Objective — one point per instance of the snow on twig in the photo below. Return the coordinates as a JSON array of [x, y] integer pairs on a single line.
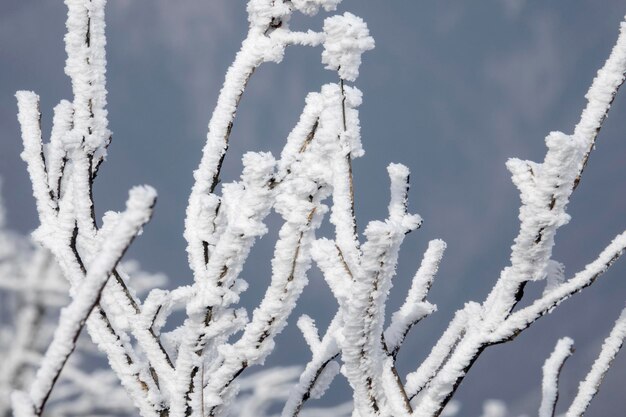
[[523, 318], [545, 190], [588, 388], [74, 316], [551, 372], [194, 370], [415, 306]]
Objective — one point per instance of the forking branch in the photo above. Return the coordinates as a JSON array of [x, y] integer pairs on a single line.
[[194, 369]]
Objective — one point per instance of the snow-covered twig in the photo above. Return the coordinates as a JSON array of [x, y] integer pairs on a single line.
[[362, 352], [428, 369], [590, 385], [324, 352], [33, 290], [74, 316], [415, 306], [193, 370], [545, 190], [63, 190], [551, 372], [523, 318]]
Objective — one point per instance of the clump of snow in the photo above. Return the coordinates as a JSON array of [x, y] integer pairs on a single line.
[[263, 13], [347, 37]]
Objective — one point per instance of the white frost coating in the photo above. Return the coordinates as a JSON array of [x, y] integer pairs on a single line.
[[311, 7], [298, 186], [302, 134], [551, 371], [29, 118], [325, 378], [322, 356], [41, 291], [73, 317], [399, 188], [602, 91], [338, 277], [526, 316], [588, 388], [263, 13], [298, 203], [545, 194], [415, 307], [337, 102], [56, 151], [458, 356], [308, 38], [86, 66], [545, 190], [555, 275], [243, 207], [267, 38], [85, 145], [362, 352], [396, 402], [247, 59], [448, 359], [220, 230], [309, 331], [347, 37], [324, 113], [22, 405]]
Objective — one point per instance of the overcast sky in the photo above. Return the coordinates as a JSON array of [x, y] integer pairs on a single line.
[[452, 90]]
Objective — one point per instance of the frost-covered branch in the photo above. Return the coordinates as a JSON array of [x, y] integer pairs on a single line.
[[62, 175], [600, 97], [267, 37], [523, 318], [196, 369], [551, 372], [74, 316], [32, 290], [324, 352], [415, 306], [362, 351], [590, 385], [428, 369], [545, 190]]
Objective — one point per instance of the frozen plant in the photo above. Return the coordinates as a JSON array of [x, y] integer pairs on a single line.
[[32, 291], [194, 369]]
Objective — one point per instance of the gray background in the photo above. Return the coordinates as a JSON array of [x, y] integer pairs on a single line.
[[452, 89]]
